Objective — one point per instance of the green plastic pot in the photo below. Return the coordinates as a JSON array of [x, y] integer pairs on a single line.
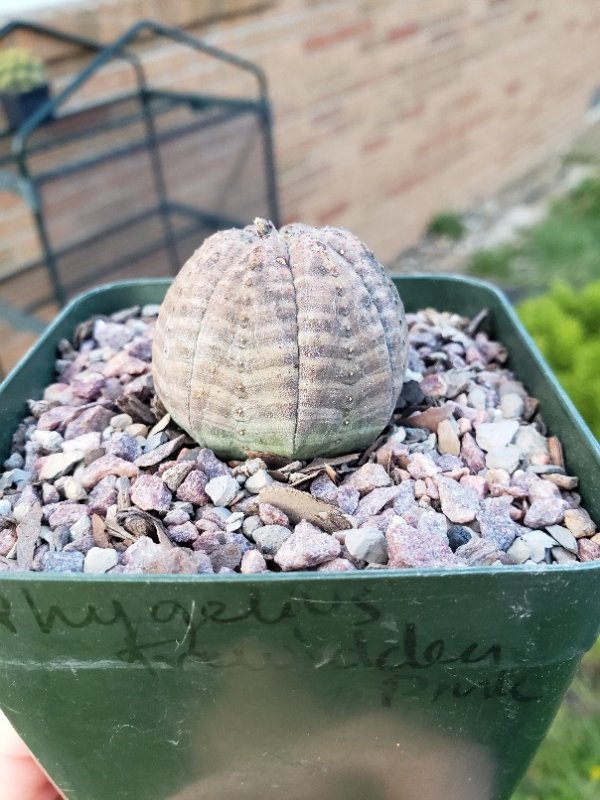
[[403, 684]]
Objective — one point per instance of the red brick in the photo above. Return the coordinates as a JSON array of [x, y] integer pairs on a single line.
[[402, 31], [319, 41], [333, 212], [514, 86], [374, 144]]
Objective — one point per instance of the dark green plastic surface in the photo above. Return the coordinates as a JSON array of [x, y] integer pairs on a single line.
[[392, 685]]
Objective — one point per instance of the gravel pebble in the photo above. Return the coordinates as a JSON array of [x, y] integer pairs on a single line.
[[579, 522], [307, 546], [63, 562], [496, 434], [408, 547], [270, 538], [100, 559], [192, 488], [547, 511], [222, 489], [368, 544], [149, 493], [368, 477], [258, 481], [459, 503]]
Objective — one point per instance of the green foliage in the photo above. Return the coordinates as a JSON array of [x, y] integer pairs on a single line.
[[566, 327], [447, 223], [20, 71], [565, 244]]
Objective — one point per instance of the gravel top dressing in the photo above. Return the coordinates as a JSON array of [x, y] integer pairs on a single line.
[[101, 480]]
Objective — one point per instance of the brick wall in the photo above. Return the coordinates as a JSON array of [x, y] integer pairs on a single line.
[[386, 111]]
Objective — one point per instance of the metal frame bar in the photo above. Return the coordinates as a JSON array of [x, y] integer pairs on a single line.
[[147, 97]]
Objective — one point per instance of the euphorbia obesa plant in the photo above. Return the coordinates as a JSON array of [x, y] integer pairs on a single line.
[[288, 341]]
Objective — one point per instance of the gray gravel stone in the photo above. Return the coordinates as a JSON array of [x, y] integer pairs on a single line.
[[270, 538], [63, 562], [368, 544], [563, 536]]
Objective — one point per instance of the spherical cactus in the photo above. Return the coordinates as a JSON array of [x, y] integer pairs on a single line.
[[291, 342]]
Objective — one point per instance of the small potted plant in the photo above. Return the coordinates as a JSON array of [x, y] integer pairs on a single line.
[[23, 85], [305, 674]]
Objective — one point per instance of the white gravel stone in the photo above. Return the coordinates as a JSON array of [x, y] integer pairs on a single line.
[[258, 481], [512, 406], [50, 441], [507, 457], [57, 464], [100, 559], [531, 441], [222, 490], [496, 434]]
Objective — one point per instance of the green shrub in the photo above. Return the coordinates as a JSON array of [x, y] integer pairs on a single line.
[[447, 223], [566, 327]]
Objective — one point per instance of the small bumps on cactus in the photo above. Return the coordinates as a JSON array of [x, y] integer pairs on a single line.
[[288, 341]]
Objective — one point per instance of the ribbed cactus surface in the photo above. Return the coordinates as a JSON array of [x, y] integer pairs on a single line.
[[291, 342]]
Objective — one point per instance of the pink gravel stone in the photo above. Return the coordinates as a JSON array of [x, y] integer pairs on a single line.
[[408, 547], [149, 493], [92, 419], [306, 547], [124, 364], [103, 495], [368, 477], [252, 563], [192, 488], [160, 453], [56, 418], [459, 503], [373, 502], [588, 551], [472, 454], [337, 565], [186, 533], [107, 465], [210, 464], [547, 511], [88, 384], [67, 514], [271, 515], [421, 466]]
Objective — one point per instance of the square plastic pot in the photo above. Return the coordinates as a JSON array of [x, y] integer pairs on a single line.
[[18, 107], [395, 684]]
